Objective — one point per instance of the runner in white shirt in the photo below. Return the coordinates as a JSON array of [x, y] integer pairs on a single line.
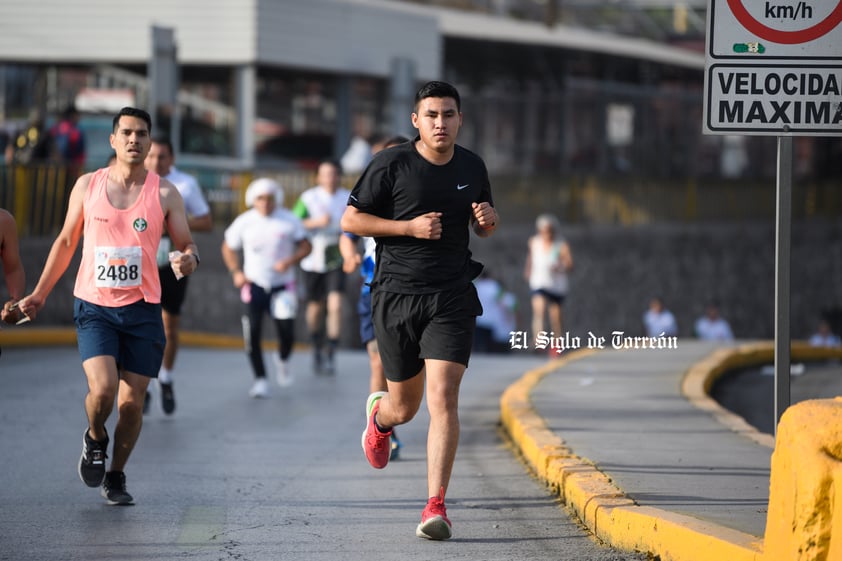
[[321, 209], [272, 241], [173, 291]]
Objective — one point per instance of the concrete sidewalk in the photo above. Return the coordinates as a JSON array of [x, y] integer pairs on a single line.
[[631, 441]]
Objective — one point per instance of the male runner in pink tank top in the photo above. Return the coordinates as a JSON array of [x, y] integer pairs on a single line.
[[120, 211]]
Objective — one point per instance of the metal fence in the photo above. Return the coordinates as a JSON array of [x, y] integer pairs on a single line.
[[38, 196]]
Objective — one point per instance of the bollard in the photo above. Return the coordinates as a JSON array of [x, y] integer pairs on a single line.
[[804, 520]]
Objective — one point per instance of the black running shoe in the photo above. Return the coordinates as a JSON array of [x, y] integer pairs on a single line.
[[167, 398], [92, 462], [114, 489], [146, 401], [329, 367]]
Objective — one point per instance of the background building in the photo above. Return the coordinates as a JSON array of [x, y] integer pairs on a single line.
[[589, 110]]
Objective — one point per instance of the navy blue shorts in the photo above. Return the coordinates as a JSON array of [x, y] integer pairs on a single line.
[[133, 335], [366, 325], [413, 327]]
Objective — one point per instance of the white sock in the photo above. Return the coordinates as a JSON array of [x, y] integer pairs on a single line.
[[165, 376]]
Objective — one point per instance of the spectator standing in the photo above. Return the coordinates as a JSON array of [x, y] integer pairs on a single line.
[[6, 146], [357, 156], [497, 321], [68, 142], [824, 336], [320, 208], [658, 320], [31, 145], [272, 241], [161, 160], [712, 326]]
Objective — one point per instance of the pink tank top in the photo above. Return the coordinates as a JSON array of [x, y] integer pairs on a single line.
[[118, 251]]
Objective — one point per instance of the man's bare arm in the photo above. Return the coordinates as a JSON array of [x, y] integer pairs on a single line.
[[426, 226], [61, 251], [484, 219], [178, 229], [351, 257], [10, 256], [202, 223]]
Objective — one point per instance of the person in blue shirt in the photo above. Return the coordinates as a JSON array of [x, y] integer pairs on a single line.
[[349, 246]]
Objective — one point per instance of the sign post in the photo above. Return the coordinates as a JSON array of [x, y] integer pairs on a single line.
[[775, 68], [162, 70], [783, 229]]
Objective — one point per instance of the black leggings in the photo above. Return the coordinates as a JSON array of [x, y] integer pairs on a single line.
[[253, 330]]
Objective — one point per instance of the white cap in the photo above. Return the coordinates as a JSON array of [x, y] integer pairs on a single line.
[[547, 220], [264, 186]]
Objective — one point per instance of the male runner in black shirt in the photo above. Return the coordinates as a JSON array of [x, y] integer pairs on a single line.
[[418, 201]]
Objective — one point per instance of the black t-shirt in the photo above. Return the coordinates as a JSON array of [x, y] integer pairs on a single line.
[[399, 184]]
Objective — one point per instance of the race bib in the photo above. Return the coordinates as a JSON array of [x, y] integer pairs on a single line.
[[118, 267]]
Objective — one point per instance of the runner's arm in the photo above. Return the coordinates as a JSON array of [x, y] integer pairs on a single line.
[[351, 257], [425, 226], [10, 256], [61, 251], [178, 229], [202, 223]]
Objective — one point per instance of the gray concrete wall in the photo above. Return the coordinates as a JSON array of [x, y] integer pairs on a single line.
[[616, 271]]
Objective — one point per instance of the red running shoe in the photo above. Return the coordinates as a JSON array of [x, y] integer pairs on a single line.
[[377, 445], [434, 522]]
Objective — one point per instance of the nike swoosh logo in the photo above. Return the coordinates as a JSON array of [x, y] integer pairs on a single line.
[[460, 187]]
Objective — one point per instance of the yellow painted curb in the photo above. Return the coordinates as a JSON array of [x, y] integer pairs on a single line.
[[46, 336], [604, 508], [37, 336]]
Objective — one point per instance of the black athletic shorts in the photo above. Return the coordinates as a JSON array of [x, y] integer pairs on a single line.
[[318, 285], [413, 327], [173, 291]]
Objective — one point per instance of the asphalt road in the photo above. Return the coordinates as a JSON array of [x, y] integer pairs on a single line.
[[230, 477]]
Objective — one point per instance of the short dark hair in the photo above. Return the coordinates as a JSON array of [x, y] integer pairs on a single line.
[[333, 162], [132, 112], [438, 89], [395, 140], [163, 140]]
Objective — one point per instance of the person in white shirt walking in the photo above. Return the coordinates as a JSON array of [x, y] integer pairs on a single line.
[[272, 241]]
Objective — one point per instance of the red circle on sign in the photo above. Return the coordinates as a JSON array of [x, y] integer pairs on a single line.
[[785, 37]]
